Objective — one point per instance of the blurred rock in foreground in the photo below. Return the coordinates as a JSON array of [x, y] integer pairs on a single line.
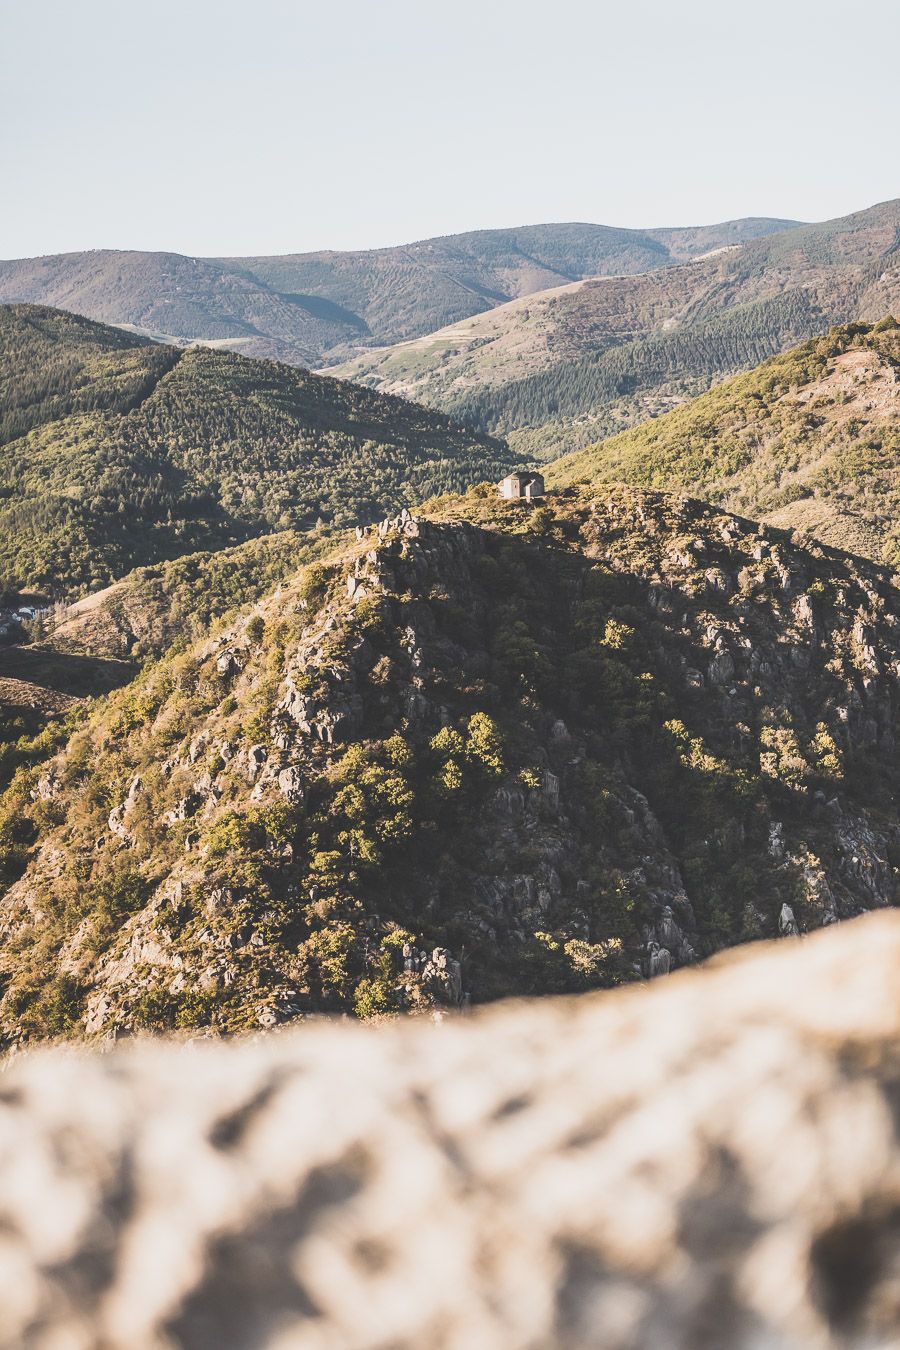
[[707, 1161]]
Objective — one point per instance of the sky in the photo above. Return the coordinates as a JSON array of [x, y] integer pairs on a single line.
[[218, 127]]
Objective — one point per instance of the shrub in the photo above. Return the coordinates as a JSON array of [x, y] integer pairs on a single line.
[[371, 997], [541, 521], [120, 892], [371, 615], [256, 628], [484, 745], [235, 833], [781, 756], [314, 585], [58, 1010], [829, 760], [329, 954]]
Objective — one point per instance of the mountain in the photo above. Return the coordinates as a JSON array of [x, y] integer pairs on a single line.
[[402, 292], [299, 307], [807, 441], [497, 748], [557, 370], [118, 451], [170, 297]]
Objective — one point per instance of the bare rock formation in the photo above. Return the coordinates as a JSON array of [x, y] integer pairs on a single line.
[[710, 1160]]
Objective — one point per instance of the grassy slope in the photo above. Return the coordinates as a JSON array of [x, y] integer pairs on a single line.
[[154, 609], [137, 453], [810, 440]]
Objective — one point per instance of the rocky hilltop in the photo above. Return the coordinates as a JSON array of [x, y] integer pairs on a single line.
[[711, 1161], [491, 749]]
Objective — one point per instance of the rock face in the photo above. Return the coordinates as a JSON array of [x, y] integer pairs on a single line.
[[708, 1161]]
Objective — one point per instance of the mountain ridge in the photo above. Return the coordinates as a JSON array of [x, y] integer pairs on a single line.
[[298, 307], [556, 371]]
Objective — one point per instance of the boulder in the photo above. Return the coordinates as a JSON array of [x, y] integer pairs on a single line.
[[291, 785], [787, 923], [710, 1160]]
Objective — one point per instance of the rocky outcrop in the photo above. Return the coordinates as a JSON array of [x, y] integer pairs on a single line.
[[711, 1161], [684, 723]]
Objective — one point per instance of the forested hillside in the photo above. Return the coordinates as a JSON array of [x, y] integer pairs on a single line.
[[556, 371], [300, 307], [809, 441], [53, 364], [134, 453], [498, 749], [578, 399]]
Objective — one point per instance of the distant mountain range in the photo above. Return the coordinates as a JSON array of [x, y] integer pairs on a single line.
[[558, 370], [117, 451], [301, 307]]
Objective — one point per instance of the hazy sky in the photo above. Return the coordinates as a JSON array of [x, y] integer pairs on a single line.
[[272, 126]]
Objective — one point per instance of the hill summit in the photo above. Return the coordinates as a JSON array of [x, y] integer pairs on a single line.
[[493, 748]]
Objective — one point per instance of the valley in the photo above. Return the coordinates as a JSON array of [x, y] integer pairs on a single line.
[[318, 723], [566, 367]]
